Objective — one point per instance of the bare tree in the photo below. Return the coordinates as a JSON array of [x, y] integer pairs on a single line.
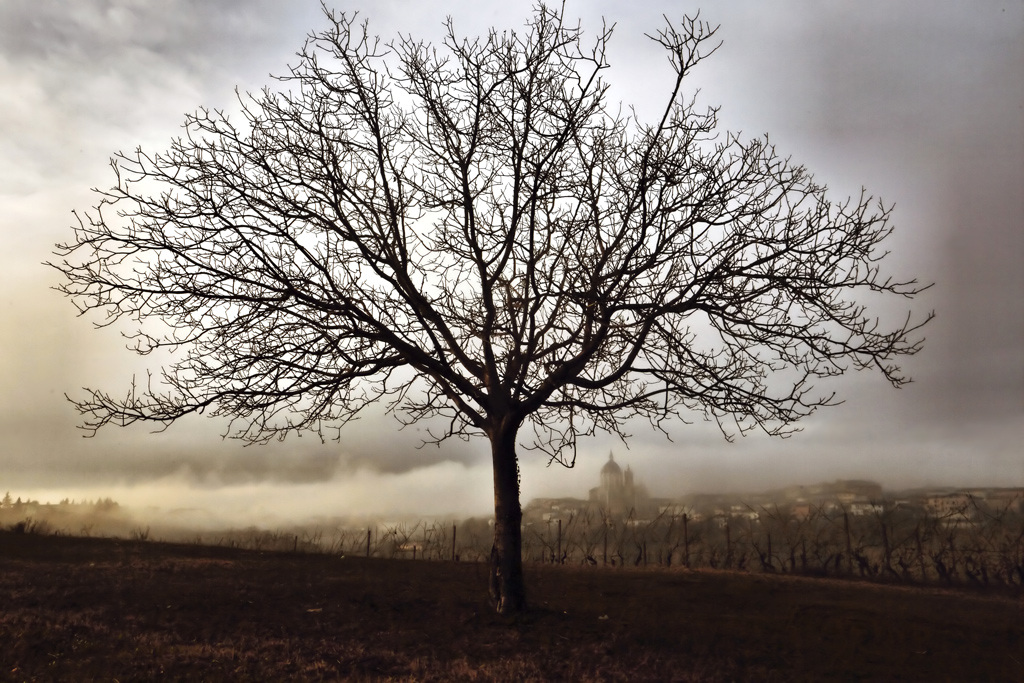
[[475, 235]]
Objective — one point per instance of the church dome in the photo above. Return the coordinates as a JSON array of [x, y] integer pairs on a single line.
[[611, 467]]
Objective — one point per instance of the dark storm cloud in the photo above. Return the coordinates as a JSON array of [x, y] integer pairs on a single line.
[[898, 66], [923, 103], [45, 449]]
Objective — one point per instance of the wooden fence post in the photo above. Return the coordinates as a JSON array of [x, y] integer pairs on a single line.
[[952, 556], [454, 556], [849, 546], [686, 541], [559, 542], [920, 552], [368, 532], [886, 550], [728, 545]]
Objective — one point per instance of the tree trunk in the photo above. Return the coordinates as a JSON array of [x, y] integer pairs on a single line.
[[508, 593]]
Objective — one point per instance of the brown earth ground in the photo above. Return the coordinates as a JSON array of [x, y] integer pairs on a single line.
[[77, 609]]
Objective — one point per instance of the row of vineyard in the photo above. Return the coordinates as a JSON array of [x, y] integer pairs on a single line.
[[973, 545]]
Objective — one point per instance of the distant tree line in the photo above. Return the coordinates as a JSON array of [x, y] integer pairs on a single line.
[[100, 503]]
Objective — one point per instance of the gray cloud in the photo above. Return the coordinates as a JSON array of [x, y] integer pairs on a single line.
[[44, 450], [96, 35], [85, 79], [924, 105]]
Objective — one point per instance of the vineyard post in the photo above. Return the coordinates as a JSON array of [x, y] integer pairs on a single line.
[[606, 543], [454, 556], [849, 547], [686, 541], [952, 554], [368, 532], [885, 548], [920, 552], [559, 556], [728, 545]]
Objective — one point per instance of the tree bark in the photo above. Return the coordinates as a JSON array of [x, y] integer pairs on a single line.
[[508, 594]]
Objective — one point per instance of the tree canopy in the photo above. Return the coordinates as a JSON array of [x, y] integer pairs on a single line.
[[474, 234]]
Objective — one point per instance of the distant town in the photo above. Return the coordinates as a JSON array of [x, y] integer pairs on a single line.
[[844, 528], [621, 497]]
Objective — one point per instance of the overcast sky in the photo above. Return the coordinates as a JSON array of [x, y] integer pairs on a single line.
[[922, 103]]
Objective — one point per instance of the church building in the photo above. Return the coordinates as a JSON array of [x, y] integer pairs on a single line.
[[618, 496]]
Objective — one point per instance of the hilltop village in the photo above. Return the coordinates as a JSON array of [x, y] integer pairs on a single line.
[[620, 498]]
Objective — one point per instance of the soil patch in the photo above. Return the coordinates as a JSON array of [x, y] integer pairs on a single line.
[[101, 609]]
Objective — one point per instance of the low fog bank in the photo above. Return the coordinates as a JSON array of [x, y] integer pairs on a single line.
[[178, 507], [270, 513], [108, 518]]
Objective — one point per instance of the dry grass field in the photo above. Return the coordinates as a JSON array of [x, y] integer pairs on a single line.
[[78, 609]]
